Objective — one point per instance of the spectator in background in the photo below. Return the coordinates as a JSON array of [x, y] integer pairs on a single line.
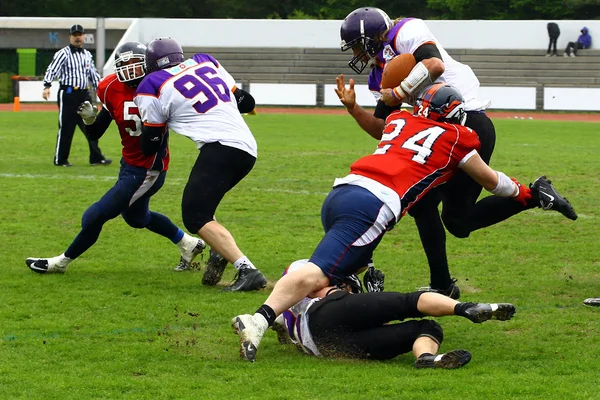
[[74, 68], [553, 33], [584, 41]]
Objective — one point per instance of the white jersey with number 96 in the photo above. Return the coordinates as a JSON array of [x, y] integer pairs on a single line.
[[195, 99]]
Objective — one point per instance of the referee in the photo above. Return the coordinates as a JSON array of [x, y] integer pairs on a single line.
[[74, 68]]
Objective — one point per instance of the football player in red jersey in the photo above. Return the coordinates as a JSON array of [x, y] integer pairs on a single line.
[[374, 40], [417, 152], [140, 176]]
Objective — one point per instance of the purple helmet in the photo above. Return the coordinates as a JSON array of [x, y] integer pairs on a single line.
[[162, 53], [362, 28]]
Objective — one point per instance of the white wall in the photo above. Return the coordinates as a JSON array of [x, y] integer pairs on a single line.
[[475, 34]]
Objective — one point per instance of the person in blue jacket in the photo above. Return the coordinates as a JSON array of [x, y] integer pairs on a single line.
[[584, 41]]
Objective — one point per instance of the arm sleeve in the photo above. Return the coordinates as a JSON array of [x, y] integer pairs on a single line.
[[245, 101], [97, 129], [427, 51], [151, 139], [382, 111], [54, 67]]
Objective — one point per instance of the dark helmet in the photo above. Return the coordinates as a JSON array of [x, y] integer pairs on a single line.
[[441, 102], [130, 73], [163, 53], [352, 282], [363, 27]]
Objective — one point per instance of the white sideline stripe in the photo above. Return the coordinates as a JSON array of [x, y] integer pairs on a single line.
[[171, 180], [289, 191]]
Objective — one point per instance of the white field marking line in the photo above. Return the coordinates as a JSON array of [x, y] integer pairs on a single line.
[[168, 180], [270, 190]]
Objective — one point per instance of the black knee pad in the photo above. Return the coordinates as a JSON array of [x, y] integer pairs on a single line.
[[456, 227], [432, 329], [194, 220]]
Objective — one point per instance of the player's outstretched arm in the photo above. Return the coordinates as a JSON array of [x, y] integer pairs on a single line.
[[151, 139], [495, 182], [372, 124]]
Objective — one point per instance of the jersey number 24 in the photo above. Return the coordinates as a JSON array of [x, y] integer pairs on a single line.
[[423, 151]]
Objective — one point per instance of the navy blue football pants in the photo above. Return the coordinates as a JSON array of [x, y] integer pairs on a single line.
[[355, 221], [130, 197]]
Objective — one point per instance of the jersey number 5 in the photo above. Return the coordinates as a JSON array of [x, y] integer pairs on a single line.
[[131, 116], [423, 151]]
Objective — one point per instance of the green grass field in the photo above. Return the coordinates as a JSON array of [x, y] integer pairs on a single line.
[[121, 324]]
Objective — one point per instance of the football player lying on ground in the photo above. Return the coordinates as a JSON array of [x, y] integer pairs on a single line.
[[377, 42], [416, 153], [140, 176], [344, 321]]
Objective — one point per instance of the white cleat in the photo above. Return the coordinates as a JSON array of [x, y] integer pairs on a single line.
[[187, 256], [45, 266], [250, 329], [592, 301]]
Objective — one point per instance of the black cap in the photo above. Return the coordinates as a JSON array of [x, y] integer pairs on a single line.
[[76, 28]]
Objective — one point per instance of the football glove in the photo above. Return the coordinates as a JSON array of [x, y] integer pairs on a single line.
[[374, 279], [87, 111], [524, 194]]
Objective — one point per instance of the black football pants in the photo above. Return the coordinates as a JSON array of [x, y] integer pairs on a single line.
[[68, 102], [356, 325], [461, 212]]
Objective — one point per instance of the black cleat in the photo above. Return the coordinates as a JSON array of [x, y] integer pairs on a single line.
[[106, 161], [549, 199], [480, 312], [215, 266], [593, 301], [247, 279], [450, 360], [453, 291]]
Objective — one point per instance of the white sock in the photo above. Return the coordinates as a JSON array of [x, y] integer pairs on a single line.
[[187, 242], [243, 262], [61, 260], [260, 319]]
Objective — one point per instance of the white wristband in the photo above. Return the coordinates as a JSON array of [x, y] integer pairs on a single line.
[[506, 187], [417, 79]]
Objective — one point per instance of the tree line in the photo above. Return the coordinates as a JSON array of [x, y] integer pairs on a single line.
[[306, 9]]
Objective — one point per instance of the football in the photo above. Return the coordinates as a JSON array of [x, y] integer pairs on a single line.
[[397, 69]]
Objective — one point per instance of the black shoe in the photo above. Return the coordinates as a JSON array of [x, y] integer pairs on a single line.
[[67, 164], [215, 266], [453, 291], [480, 312], [247, 279], [106, 161], [549, 199], [450, 360]]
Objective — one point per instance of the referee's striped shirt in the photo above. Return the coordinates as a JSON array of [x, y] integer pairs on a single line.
[[72, 66]]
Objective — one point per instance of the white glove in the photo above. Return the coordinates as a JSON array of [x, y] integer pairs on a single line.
[[87, 111]]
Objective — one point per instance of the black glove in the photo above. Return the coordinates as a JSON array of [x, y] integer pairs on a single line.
[[374, 279]]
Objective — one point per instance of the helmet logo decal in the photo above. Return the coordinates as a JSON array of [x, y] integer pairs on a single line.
[[161, 62]]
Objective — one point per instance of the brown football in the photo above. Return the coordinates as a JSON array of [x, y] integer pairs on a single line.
[[397, 69]]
